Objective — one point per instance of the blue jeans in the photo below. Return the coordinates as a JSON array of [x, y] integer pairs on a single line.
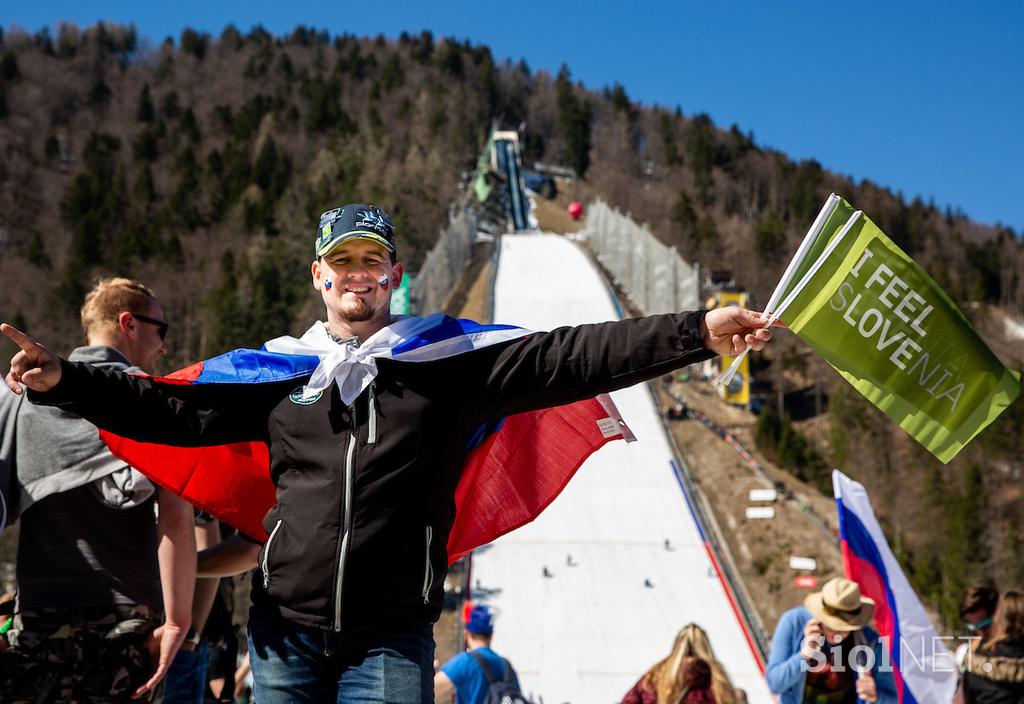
[[293, 663], [186, 677]]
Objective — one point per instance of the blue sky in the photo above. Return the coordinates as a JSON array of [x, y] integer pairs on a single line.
[[925, 98]]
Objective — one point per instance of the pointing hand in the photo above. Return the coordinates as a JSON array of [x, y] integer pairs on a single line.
[[34, 366]]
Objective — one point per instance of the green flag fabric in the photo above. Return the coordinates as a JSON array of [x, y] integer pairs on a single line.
[[889, 330]]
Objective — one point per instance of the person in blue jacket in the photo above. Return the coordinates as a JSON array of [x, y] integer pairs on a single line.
[[824, 652]]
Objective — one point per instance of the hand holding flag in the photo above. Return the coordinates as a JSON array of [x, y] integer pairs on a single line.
[[728, 330], [866, 689]]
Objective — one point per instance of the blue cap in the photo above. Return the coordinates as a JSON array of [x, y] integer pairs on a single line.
[[480, 621], [355, 221]]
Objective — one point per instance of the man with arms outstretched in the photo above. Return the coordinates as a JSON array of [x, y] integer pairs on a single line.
[[351, 577]]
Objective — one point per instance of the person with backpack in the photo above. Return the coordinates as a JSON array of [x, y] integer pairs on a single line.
[[479, 675]]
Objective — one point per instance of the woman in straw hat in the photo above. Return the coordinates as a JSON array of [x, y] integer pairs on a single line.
[[824, 652]]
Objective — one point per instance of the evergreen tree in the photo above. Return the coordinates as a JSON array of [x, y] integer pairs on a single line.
[[91, 207], [392, 75], [668, 141], [574, 117], [9, 70], [99, 93], [189, 126], [229, 322], [144, 191], [769, 237], [145, 112], [37, 254], [700, 155], [194, 43]]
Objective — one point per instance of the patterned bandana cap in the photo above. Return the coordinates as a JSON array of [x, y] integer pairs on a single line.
[[355, 221]]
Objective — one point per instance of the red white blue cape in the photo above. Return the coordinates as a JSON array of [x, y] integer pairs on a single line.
[[514, 470]]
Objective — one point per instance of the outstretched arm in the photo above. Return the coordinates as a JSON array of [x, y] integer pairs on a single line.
[[573, 363], [143, 408]]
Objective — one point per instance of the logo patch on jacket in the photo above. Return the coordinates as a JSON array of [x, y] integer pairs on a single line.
[[296, 397]]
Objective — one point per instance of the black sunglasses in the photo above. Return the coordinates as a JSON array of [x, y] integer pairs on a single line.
[[160, 324]]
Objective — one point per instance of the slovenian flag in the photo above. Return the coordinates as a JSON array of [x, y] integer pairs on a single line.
[[924, 669], [514, 468]]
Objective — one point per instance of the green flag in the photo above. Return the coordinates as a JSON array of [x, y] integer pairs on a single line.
[[887, 327]]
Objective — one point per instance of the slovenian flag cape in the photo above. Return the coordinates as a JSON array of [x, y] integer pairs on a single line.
[[924, 669], [514, 468]]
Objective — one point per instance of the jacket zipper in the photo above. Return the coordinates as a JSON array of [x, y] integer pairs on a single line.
[[346, 520], [372, 419], [428, 572], [266, 555]]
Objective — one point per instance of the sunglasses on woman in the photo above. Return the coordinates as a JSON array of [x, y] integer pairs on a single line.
[[978, 625]]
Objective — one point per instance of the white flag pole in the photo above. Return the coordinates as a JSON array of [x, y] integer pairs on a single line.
[[801, 252], [814, 268]]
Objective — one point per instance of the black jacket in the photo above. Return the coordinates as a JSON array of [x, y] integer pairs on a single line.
[[365, 494], [996, 677]]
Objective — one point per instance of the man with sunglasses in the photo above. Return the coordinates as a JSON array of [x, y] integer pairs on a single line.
[[104, 585]]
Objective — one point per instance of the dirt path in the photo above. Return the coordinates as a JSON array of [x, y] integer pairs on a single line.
[[760, 548]]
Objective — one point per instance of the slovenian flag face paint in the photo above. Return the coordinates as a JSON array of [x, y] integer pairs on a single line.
[[383, 281], [327, 284]]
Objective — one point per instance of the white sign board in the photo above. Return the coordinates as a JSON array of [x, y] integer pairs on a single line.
[[760, 512], [803, 563], [763, 495]]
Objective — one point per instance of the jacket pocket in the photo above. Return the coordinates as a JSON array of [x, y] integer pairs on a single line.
[[428, 569], [265, 565]]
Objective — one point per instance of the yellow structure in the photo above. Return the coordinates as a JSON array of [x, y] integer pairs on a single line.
[[736, 391]]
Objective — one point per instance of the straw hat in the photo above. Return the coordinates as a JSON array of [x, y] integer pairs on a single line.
[[840, 606]]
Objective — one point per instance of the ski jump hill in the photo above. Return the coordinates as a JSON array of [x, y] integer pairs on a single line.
[[617, 593]]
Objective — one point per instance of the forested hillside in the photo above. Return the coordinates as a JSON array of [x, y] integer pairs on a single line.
[[199, 165]]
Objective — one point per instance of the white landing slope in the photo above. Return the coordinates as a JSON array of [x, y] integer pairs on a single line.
[[587, 633]]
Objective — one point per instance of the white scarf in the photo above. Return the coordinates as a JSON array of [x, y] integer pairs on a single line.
[[353, 367]]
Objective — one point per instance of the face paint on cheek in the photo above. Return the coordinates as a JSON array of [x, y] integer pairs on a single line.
[[384, 283], [327, 284]]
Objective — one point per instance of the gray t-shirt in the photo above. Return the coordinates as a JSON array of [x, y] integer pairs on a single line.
[[74, 548]]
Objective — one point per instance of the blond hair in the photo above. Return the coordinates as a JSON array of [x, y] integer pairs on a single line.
[[665, 677], [108, 299], [1008, 620]]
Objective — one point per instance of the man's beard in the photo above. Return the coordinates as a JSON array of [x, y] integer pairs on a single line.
[[356, 314]]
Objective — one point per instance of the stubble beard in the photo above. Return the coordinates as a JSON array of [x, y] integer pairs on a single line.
[[356, 313]]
